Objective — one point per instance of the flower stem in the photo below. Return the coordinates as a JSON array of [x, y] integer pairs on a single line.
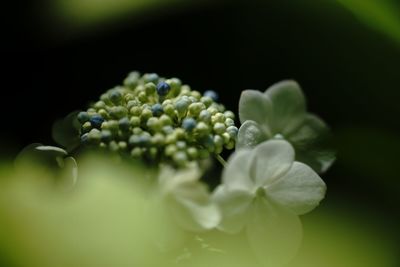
[[221, 160]]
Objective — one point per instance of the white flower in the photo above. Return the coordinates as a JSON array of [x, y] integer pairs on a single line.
[[280, 111], [188, 199], [263, 191]]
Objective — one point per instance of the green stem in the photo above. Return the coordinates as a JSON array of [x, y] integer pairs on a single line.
[[221, 160]]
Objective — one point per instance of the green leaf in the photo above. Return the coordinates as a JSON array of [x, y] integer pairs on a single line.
[[274, 233], [66, 132], [382, 15], [255, 106], [250, 135], [288, 106], [300, 189]]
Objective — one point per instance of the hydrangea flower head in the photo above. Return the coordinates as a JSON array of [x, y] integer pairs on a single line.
[[158, 120]]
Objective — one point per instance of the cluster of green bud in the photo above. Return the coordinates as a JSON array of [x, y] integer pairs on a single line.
[[159, 120]]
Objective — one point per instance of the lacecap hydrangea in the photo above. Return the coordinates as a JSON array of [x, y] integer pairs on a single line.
[[158, 120]]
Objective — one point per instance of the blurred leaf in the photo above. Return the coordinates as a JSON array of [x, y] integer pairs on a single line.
[[66, 131], [90, 12], [382, 15]]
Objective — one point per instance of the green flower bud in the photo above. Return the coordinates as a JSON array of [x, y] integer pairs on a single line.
[[181, 145], [86, 127], [146, 114], [212, 110], [185, 90], [158, 139], [181, 106], [229, 114], [226, 137], [165, 120], [154, 124], [166, 102], [192, 152], [103, 113], [204, 154], [142, 97], [118, 112], [232, 131], [124, 124], [180, 158], [218, 140], [115, 96], [202, 129], [169, 110], [218, 117], [100, 105], [112, 125], [205, 116], [179, 133], [122, 145], [219, 128], [129, 97], [196, 108], [113, 146], [106, 135], [150, 88], [131, 104], [134, 140], [229, 122], [132, 80], [170, 150], [135, 110], [196, 94], [207, 101], [170, 139], [135, 121], [230, 145], [137, 130], [136, 152], [153, 151], [94, 136]]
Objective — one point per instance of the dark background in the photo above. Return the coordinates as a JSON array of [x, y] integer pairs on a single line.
[[349, 73]]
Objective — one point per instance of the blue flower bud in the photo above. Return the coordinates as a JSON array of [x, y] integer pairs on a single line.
[[157, 109], [163, 88], [188, 124], [211, 94], [96, 121]]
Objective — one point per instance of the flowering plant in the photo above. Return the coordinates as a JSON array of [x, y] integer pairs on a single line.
[[269, 180]]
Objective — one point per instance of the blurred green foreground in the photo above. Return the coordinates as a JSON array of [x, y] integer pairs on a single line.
[[111, 217]]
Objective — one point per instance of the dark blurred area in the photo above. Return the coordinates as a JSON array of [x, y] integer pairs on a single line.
[[348, 71]]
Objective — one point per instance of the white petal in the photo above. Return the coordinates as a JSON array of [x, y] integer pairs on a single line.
[[53, 149], [300, 189], [250, 135], [234, 206], [194, 216], [255, 106], [288, 106], [274, 233], [237, 172], [270, 160], [188, 199]]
